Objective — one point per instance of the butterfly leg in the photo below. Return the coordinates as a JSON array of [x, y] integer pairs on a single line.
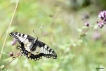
[[18, 47]]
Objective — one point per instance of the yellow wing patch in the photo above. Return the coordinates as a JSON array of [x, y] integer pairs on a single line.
[[37, 51]]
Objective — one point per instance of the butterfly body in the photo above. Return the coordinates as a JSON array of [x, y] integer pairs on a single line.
[[32, 47]]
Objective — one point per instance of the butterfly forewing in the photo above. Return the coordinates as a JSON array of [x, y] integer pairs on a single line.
[[33, 48]]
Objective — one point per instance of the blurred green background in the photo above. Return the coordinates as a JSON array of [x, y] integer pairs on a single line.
[[58, 23]]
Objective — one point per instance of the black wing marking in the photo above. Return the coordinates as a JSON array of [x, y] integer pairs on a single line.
[[33, 48]]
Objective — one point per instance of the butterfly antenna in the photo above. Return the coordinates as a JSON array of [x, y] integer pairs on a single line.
[[35, 34]]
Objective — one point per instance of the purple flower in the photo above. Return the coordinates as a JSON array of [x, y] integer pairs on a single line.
[[18, 54], [100, 24], [102, 15], [87, 24], [14, 41], [11, 54]]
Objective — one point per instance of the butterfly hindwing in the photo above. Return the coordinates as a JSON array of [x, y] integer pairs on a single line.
[[32, 47]]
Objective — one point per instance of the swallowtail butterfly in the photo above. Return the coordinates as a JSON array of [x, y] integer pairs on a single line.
[[31, 47]]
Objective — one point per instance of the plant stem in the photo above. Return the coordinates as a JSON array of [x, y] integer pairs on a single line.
[[9, 28]]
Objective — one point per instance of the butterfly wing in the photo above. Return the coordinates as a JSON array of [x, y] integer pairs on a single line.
[[33, 48]]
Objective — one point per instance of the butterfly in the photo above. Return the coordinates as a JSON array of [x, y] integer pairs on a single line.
[[31, 47]]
